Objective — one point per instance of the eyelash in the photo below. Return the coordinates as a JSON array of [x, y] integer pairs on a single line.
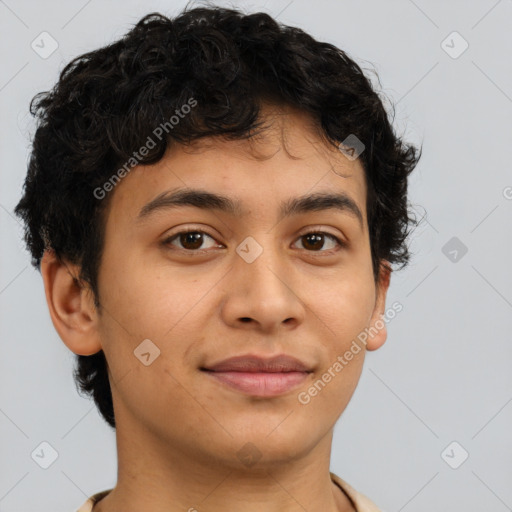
[[167, 241]]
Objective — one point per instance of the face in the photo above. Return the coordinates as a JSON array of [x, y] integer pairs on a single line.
[[250, 281]]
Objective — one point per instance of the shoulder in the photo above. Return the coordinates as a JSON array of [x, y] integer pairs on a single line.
[[89, 503], [361, 502]]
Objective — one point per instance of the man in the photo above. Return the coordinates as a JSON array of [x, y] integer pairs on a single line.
[[215, 202]]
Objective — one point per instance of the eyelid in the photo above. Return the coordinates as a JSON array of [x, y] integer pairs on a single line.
[[324, 230]]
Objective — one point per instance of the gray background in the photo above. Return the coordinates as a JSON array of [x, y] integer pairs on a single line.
[[443, 374]]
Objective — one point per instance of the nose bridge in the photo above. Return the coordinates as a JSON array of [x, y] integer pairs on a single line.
[[261, 289], [261, 262]]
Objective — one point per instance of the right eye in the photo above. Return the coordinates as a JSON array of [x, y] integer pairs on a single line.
[[191, 240]]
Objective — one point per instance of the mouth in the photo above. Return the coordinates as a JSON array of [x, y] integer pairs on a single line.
[[263, 384], [259, 376]]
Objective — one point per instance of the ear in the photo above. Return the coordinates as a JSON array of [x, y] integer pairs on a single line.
[[377, 329], [71, 305]]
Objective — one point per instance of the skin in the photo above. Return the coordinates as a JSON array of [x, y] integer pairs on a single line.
[[178, 430]]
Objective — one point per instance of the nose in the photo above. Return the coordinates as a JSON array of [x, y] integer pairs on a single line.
[[263, 294]]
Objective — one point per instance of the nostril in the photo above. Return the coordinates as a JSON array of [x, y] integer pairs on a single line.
[[245, 319]]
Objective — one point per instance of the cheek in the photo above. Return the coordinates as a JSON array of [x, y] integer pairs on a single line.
[[140, 296], [344, 308], [155, 302]]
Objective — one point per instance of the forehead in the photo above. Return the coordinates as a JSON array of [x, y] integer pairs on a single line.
[[287, 159]]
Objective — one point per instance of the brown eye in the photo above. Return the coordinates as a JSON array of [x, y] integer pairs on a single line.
[[188, 240], [315, 241]]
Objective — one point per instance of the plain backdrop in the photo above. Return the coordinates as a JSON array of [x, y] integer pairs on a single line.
[[440, 389]]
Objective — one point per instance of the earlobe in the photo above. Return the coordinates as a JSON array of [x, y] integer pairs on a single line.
[[377, 329], [71, 305]]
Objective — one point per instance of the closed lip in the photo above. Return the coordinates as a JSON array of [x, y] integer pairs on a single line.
[[259, 364]]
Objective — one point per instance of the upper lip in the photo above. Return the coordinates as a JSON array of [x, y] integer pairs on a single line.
[[255, 363]]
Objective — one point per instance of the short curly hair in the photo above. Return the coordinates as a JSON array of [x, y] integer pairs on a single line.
[[106, 103]]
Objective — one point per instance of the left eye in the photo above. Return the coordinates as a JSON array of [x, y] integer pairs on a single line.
[[315, 238], [192, 240]]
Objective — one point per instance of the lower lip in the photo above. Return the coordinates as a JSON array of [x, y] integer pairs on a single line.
[[261, 384]]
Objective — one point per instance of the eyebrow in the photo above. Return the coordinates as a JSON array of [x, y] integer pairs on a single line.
[[211, 201]]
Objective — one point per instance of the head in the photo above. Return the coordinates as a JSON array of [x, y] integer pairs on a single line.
[[234, 105]]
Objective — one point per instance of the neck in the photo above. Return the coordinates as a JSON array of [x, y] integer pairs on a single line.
[[157, 477]]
